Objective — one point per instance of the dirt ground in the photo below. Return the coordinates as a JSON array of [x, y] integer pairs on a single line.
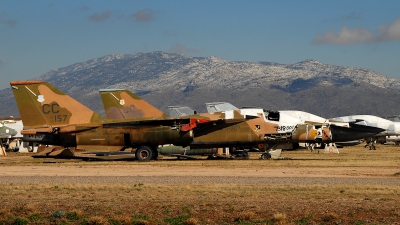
[[357, 186]]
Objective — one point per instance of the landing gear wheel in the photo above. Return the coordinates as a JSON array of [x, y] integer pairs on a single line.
[[144, 153], [155, 153], [265, 155]]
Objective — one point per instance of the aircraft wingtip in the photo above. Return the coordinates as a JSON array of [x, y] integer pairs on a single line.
[[23, 82]]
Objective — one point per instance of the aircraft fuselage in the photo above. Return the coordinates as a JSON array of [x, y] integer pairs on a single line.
[[115, 138]]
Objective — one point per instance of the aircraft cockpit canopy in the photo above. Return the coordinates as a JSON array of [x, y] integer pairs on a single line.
[[271, 115], [394, 118]]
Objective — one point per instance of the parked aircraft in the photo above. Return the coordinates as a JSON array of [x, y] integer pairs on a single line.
[[213, 107], [14, 142], [51, 117], [293, 117], [123, 104], [6, 132], [310, 132], [395, 139], [393, 118], [306, 117], [389, 128], [265, 128], [178, 111], [10, 134]]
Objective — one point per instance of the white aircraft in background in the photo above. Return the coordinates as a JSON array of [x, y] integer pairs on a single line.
[[177, 111], [13, 138], [395, 139], [219, 107], [294, 117], [391, 128]]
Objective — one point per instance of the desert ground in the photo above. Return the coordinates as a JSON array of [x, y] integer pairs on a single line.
[[356, 186]]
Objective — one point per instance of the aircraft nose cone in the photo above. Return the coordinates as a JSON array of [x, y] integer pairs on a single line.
[[12, 132], [354, 132], [6, 131]]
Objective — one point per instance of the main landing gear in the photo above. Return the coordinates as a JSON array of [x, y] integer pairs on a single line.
[[146, 153], [370, 143]]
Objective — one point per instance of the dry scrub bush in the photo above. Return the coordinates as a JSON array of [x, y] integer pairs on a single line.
[[121, 219], [27, 209], [331, 217], [97, 220], [191, 221], [248, 215], [245, 216], [279, 218], [6, 213], [140, 222]]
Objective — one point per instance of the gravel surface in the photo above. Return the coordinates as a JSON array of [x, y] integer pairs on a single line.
[[355, 187], [178, 180]]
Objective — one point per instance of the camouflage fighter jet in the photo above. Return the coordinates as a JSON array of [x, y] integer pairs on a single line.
[[264, 128], [51, 117], [123, 104]]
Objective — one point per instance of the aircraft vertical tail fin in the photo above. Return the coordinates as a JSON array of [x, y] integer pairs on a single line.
[[41, 104], [123, 104]]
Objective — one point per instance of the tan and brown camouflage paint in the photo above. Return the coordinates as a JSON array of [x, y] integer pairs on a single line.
[[225, 131], [41, 104], [45, 110], [122, 104]]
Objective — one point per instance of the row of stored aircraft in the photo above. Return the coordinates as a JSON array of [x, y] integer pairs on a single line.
[[50, 117], [391, 125]]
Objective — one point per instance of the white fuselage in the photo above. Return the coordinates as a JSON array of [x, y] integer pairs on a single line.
[[305, 117], [391, 128], [16, 125]]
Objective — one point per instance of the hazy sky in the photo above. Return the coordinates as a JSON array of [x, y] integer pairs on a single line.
[[37, 36]]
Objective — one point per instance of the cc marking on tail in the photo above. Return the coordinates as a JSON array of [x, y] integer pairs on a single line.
[[53, 108]]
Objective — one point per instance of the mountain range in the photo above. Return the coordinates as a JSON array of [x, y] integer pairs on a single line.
[[165, 79]]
